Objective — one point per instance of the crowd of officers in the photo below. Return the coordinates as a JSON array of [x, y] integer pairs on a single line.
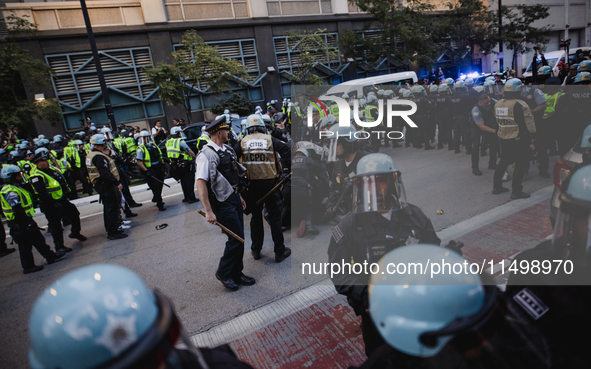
[[44, 174]]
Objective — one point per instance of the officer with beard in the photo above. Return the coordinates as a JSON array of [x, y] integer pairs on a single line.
[[343, 150], [258, 152], [554, 293], [381, 220], [484, 126]]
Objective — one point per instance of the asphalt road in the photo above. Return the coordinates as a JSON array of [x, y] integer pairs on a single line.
[[180, 260]]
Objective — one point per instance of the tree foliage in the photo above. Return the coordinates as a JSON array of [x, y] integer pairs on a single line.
[[518, 32], [197, 68], [312, 48], [407, 30], [236, 103], [21, 73]]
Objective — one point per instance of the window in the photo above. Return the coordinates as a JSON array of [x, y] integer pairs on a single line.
[[182, 10], [245, 52], [77, 87]]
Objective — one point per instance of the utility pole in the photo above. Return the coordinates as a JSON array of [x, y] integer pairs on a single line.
[[500, 36], [99, 69]]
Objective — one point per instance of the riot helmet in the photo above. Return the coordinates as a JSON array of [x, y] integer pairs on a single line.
[[491, 88], [145, 138], [419, 315], [255, 123], [582, 78], [377, 185], [572, 230], [584, 66], [107, 132], [105, 316]]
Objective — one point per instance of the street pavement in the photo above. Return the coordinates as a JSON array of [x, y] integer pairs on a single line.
[[286, 320]]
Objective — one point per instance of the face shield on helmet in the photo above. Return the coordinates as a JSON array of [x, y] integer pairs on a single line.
[[108, 134], [115, 321], [342, 142], [377, 186], [255, 123], [145, 138]]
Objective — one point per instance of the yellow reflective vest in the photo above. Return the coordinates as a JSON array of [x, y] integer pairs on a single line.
[[25, 199]]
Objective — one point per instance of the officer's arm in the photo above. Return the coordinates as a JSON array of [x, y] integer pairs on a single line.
[[238, 149], [520, 120], [427, 231], [343, 282], [283, 150], [19, 213], [477, 118]]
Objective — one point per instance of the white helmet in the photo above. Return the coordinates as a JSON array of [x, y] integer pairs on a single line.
[[145, 137]]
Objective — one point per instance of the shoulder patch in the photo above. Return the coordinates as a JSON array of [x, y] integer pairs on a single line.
[[531, 303], [34, 179], [337, 234]]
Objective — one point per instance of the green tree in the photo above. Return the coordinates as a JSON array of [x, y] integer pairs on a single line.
[[518, 32], [236, 103], [407, 29], [197, 68], [312, 48], [469, 23], [19, 73]]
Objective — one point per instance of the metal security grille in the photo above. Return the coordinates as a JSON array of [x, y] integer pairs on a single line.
[[244, 51], [288, 60], [77, 87]]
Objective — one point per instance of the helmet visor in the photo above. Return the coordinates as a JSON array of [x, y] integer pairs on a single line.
[[492, 89], [378, 192], [572, 234], [330, 150]]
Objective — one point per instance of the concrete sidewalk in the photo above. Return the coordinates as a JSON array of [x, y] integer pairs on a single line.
[[315, 327]]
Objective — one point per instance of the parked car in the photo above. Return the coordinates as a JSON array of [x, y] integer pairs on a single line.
[[565, 165]]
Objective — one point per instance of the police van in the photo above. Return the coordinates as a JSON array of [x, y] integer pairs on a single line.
[[363, 86]]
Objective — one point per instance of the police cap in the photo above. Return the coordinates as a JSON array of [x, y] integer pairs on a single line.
[[217, 124]]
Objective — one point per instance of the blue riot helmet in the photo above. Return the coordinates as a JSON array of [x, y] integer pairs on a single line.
[[99, 139], [572, 230], [407, 94], [418, 90], [419, 314], [469, 82], [340, 142], [41, 150], [378, 186], [45, 142], [449, 82], [582, 78], [584, 66], [2, 151], [175, 130], [328, 121], [14, 154], [104, 316], [57, 139], [489, 78], [256, 123], [302, 151], [433, 89], [461, 86], [513, 85], [9, 170], [22, 146], [41, 137]]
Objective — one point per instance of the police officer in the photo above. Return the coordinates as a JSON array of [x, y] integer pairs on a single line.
[[72, 155], [17, 206], [461, 104], [548, 128], [516, 133], [484, 125], [149, 160], [53, 201], [305, 172], [218, 179], [183, 157], [423, 134], [558, 303], [344, 152], [203, 139], [104, 176], [447, 320], [117, 323], [445, 120], [381, 220], [258, 153]]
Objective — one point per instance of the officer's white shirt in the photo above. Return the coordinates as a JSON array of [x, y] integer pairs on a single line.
[[202, 171], [155, 130]]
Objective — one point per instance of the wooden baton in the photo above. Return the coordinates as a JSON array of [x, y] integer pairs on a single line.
[[223, 228]]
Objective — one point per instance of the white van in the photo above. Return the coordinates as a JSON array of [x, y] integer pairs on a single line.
[[362, 86], [553, 58]]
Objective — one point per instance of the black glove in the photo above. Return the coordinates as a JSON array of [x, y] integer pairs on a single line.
[[455, 246]]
